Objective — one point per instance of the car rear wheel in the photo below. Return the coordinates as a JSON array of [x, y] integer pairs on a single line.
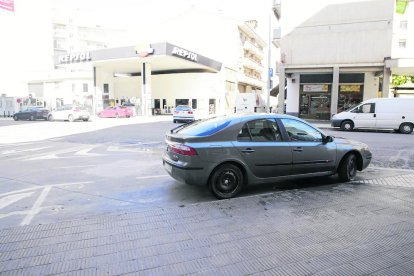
[[50, 118], [226, 181], [15, 118], [70, 118], [347, 125], [348, 169], [406, 128], [31, 118]]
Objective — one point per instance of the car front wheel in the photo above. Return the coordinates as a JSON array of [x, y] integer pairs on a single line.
[[348, 169], [347, 126], [15, 118], [226, 181], [50, 118], [70, 118]]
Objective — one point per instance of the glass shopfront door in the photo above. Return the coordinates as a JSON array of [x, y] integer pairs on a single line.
[[315, 102]]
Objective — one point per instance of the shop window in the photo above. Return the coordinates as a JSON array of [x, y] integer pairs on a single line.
[[85, 87], [157, 103], [181, 102], [194, 103], [106, 88]]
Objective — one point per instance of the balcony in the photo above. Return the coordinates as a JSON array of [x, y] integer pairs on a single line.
[[249, 46], [277, 35], [277, 8], [251, 64], [250, 80]]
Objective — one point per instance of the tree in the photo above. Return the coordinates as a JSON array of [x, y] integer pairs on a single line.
[[398, 80]]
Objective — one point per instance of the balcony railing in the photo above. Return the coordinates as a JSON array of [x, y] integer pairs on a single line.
[[248, 45]]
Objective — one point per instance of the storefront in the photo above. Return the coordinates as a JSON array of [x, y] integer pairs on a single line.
[[315, 94]]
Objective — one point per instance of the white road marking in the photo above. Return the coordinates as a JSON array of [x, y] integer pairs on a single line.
[[75, 167], [53, 154], [36, 206], [24, 150], [6, 201], [152, 176], [21, 191], [85, 152]]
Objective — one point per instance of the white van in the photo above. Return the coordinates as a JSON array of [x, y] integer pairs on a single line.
[[379, 113]]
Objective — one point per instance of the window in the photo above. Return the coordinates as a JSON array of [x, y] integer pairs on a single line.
[[365, 108], [299, 131], [264, 130], [402, 43], [403, 25], [181, 102], [106, 88], [205, 127], [194, 103]]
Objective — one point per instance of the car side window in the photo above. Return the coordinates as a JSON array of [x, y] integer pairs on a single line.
[[265, 130], [365, 108], [299, 131]]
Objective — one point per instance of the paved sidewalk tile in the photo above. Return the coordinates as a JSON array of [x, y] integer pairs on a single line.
[[360, 228]]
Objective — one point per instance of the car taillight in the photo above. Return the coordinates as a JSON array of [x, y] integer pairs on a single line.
[[183, 150], [190, 112], [76, 110], [176, 112]]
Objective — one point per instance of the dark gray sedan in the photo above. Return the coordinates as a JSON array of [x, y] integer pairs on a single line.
[[226, 153]]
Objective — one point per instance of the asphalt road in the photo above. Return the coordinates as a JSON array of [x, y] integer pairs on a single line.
[[119, 169]]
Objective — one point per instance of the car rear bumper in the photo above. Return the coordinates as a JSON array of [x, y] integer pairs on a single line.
[[181, 118], [188, 175]]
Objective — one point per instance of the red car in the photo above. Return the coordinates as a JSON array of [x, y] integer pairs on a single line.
[[115, 112]]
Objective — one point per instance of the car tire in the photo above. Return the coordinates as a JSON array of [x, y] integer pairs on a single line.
[[174, 121], [31, 118], [226, 181], [70, 118], [15, 118], [347, 125], [406, 128], [348, 168], [116, 115], [50, 118], [85, 120]]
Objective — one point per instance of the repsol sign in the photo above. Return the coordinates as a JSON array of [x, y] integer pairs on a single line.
[[184, 53], [75, 57]]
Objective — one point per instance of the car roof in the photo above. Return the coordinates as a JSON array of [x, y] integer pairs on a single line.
[[252, 116]]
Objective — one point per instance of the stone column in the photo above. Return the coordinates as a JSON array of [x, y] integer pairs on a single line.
[[281, 96], [335, 91], [146, 92], [386, 83]]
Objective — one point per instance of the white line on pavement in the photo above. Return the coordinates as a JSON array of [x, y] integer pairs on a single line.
[[152, 176], [75, 167], [36, 206], [24, 150], [6, 201]]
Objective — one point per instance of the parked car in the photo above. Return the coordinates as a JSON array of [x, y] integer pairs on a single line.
[[69, 113], [115, 112], [226, 153], [31, 113], [379, 113], [183, 113]]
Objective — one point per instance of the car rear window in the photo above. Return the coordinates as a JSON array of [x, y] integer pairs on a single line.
[[205, 127], [182, 108]]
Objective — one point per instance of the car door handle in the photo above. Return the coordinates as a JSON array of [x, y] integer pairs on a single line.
[[375, 115], [248, 150], [298, 149]]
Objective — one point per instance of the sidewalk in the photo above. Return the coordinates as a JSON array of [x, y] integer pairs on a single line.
[[345, 229]]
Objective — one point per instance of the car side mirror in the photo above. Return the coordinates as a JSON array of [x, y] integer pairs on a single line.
[[327, 139]]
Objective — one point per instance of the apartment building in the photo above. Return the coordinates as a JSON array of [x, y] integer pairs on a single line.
[[336, 53]]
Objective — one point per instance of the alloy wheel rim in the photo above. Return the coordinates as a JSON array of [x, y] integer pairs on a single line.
[[406, 128]]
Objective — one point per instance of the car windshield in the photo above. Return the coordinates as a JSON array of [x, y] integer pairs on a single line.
[[205, 127]]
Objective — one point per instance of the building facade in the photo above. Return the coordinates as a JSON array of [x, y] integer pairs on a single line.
[[338, 53]]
